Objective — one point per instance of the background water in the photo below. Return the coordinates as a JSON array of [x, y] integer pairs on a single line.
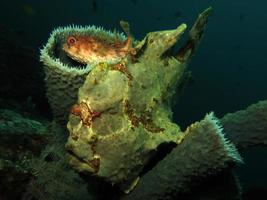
[[229, 68]]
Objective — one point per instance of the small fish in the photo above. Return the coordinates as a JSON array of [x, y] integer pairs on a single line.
[[92, 50]]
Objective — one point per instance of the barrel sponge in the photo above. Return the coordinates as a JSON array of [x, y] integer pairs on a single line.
[[204, 151], [63, 75], [247, 127]]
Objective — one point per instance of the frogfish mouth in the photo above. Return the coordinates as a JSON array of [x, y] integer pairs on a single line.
[[91, 49]]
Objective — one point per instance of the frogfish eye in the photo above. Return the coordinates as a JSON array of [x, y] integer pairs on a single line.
[[71, 40]]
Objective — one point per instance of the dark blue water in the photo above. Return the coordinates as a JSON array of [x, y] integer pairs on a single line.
[[229, 68]]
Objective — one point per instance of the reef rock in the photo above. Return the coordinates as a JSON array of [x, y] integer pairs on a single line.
[[21, 139]]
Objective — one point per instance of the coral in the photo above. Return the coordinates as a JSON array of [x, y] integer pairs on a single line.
[[33, 162], [63, 75], [12, 122], [52, 176], [19, 135], [247, 127], [13, 178], [21, 139]]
